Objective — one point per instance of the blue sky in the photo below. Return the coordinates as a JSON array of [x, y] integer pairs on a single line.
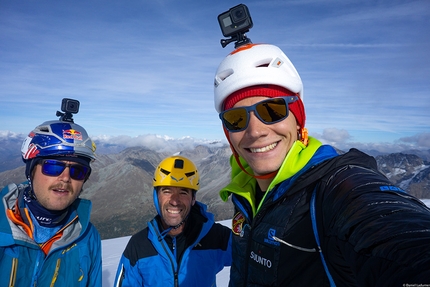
[[146, 67]]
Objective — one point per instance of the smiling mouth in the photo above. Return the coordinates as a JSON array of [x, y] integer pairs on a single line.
[[263, 149], [173, 211], [60, 190]]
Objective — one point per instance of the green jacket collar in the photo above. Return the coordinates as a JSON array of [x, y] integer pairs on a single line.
[[244, 185]]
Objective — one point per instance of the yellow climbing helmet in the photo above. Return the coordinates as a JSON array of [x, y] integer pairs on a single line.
[[177, 171]]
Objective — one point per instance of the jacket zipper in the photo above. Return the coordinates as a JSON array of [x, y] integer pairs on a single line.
[[248, 243], [168, 252], [12, 277], [54, 278], [174, 254]]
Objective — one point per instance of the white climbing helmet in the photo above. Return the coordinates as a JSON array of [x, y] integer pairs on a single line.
[[251, 65]]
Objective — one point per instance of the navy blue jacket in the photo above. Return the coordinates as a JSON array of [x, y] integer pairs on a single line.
[[371, 232]]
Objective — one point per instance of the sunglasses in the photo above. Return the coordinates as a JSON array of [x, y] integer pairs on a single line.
[[268, 111], [52, 167]]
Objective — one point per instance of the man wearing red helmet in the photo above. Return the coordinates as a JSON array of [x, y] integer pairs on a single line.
[[306, 215], [46, 238]]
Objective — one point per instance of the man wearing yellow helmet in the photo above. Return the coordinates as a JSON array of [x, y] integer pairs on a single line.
[[182, 245]]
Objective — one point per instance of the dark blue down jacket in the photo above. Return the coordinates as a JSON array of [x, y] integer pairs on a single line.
[[371, 232]]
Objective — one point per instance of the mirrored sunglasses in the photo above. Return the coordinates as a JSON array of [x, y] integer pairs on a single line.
[[268, 111], [52, 167]]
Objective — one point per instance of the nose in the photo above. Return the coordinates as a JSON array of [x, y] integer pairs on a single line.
[[65, 175], [174, 198], [256, 128]]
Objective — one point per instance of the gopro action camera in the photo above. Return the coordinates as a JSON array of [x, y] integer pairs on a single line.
[[235, 23], [69, 107]]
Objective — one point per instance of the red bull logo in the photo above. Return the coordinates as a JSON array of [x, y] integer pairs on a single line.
[[72, 134]]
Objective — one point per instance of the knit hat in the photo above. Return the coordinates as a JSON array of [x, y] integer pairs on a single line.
[[271, 91]]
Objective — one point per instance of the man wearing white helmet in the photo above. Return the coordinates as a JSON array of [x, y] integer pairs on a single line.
[[182, 245], [46, 238], [306, 215]]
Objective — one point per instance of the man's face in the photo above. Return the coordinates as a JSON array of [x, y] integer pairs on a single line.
[[175, 204], [264, 147], [55, 192]]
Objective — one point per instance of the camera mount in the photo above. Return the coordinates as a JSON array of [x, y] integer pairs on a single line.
[[240, 39], [65, 117]]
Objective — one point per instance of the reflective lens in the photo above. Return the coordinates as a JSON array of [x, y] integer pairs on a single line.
[[52, 167], [268, 111]]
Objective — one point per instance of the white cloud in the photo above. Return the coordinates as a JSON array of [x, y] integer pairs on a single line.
[[155, 142], [420, 140], [335, 135]]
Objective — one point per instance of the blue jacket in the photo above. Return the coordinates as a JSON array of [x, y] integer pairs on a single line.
[[73, 260], [148, 259]]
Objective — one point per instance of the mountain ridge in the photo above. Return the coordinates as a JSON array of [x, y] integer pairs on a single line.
[[120, 186]]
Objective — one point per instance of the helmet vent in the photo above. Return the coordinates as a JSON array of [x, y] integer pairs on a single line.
[[188, 174], [225, 74], [164, 171], [263, 63], [179, 163]]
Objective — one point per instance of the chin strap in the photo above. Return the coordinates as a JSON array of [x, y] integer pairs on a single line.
[[167, 230], [236, 157], [264, 176], [179, 225], [31, 193]]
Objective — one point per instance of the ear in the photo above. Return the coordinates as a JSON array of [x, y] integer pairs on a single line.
[[194, 198]]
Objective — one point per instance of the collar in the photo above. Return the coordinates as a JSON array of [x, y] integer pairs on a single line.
[[244, 185]]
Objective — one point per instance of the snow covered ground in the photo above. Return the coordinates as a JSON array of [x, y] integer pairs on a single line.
[[113, 248]]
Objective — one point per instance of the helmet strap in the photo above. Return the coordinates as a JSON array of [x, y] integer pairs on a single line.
[[167, 230], [302, 136], [180, 224], [29, 173], [236, 157]]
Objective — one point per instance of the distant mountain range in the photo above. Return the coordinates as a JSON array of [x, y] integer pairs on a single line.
[[120, 185]]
